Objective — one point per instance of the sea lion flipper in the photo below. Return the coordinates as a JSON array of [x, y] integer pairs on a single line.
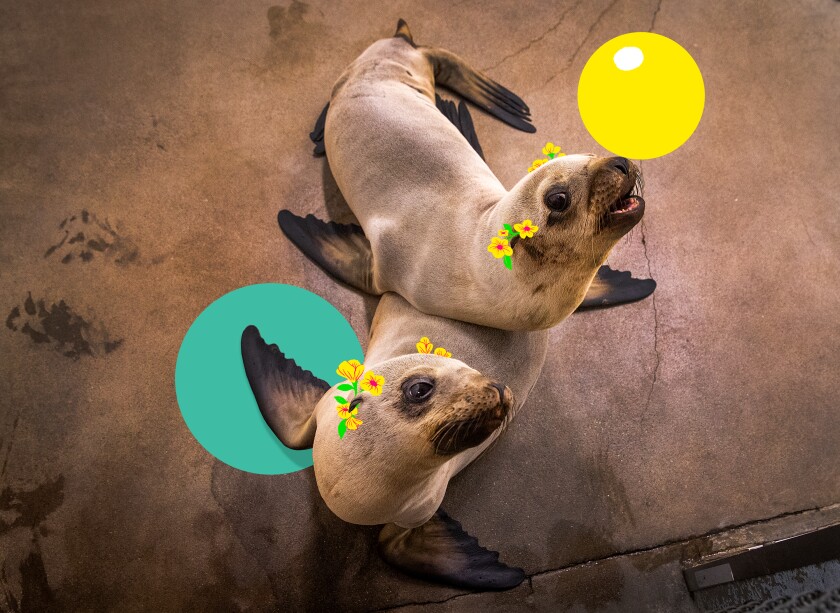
[[286, 394], [461, 119], [342, 250], [317, 134], [454, 73], [612, 287], [440, 550]]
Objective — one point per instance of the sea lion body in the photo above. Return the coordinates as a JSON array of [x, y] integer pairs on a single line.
[[387, 471], [394, 468], [429, 205]]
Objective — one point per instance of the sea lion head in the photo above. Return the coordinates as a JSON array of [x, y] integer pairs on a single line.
[[582, 205], [431, 408]]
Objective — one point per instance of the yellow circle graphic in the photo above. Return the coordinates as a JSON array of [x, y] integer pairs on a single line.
[[641, 95]]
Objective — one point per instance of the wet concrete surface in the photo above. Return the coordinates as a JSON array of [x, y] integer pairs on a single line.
[[168, 134]]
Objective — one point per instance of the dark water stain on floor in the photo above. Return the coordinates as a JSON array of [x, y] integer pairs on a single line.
[[30, 506], [36, 594], [27, 507], [597, 588], [85, 237], [298, 41], [61, 328]]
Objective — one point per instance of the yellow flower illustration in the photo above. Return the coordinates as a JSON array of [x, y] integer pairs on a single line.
[[425, 345], [499, 247], [526, 229], [351, 370], [503, 233], [551, 148], [536, 164], [344, 411], [443, 352], [372, 383], [353, 422]]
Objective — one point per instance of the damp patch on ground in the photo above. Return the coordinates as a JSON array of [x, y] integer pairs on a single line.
[[57, 326], [84, 237]]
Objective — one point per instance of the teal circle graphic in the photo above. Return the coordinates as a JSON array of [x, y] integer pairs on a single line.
[[213, 392]]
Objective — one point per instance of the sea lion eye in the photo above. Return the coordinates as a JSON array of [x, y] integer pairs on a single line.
[[418, 390], [557, 200]]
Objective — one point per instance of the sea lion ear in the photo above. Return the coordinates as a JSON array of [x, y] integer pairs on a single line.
[[613, 287], [440, 550], [342, 250], [286, 394], [461, 119], [404, 33]]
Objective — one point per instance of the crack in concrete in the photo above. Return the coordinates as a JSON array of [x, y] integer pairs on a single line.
[[655, 326], [630, 552], [534, 41], [655, 13], [571, 60], [807, 232]]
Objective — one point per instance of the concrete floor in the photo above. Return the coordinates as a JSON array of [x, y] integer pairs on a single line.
[[174, 131]]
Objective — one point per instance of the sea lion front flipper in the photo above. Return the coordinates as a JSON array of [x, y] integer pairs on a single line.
[[461, 119], [317, 134], [342, 250], [440, 550], [611, 287], [286, 394], [454, 73]]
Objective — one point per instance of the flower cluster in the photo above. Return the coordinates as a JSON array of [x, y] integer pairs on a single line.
[[500, 246], [551, 150], [426, 346], [354, 372]]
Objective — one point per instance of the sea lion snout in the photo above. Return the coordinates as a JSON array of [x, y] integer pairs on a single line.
[[617, 193], [505, 398], [479, 415]]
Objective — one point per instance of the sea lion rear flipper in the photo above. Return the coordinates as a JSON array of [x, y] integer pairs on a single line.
[[612, 287], [342, 250], [461, 119], [317, 134], [440, 550], [454, 73], [286, 394]]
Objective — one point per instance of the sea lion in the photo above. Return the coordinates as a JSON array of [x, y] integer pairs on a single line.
[[434, 416], [428, 205]]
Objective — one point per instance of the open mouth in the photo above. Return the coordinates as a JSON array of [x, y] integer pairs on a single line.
[[627, 205]]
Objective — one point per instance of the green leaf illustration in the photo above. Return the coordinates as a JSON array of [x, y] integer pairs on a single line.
[[508, 262], [342, 428], [345, 387], [508, 227], [340, 400]]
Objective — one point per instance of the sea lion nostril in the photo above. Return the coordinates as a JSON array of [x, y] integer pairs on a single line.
[[620, 164], [499, 388]]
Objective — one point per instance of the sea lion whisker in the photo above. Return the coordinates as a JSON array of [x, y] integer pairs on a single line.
[[440, 435]]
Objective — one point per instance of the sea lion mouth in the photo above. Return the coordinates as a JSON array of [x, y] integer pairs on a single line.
[[626, 211], [454, 437], [627, 204]]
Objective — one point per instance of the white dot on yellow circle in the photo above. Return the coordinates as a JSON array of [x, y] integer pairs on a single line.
[[628, 58], [641, 95]]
